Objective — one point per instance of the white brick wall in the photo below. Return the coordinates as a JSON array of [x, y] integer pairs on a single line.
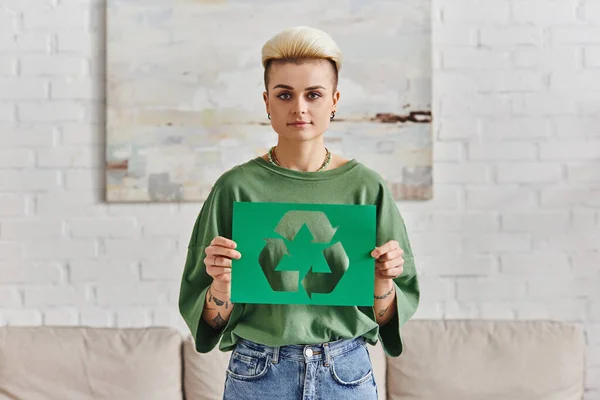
[[512, 232]]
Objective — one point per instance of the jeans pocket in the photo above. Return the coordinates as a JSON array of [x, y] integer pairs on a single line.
[[247, 364], [352, 368]]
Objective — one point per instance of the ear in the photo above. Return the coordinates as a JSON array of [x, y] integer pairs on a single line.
[[266, 100], [336, 98]]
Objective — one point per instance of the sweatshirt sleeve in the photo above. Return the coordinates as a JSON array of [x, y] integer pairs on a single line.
[[390, 226], [214, 220]]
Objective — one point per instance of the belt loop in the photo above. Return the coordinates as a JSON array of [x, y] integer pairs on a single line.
[[327, 355], [275, 355]]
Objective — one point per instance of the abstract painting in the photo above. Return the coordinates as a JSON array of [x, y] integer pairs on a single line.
[[185, 83]]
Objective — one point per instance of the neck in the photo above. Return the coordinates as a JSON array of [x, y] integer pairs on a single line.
[[305, 156]]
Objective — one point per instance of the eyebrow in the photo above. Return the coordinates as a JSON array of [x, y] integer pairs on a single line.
[[291, 88]]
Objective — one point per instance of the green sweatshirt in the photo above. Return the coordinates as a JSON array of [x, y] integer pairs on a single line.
[[278, 324]]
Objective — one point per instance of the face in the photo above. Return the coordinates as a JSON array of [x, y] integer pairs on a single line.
[[301, 98]]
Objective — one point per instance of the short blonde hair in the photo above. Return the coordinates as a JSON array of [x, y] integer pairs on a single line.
[[299, 44]]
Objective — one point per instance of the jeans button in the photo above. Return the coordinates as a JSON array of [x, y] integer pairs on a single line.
[[308, 352]]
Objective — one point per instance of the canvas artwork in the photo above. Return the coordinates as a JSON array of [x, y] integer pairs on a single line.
[[185, 84]]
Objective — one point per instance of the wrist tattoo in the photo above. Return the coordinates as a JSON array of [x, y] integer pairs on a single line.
[[383, 296], [218, 302], [219, 321], [382, 312]]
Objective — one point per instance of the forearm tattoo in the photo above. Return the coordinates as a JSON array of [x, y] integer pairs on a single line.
[[383, 296], [219, 321], [218, 302], [382, 312]]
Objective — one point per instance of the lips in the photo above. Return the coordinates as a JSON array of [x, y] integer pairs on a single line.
[[300, 123]]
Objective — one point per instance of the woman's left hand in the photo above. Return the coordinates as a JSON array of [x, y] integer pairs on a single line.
[[389, 262]]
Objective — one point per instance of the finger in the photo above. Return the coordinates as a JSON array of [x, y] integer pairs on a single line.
[[224, 242], [390, 273], [397, 253], [397, 262], [389, 246], [223, 252], [217, 271]]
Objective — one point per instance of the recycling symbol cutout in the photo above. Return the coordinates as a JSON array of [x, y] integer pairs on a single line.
[[304, 255]]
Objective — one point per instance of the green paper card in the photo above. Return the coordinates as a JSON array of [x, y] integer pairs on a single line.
[[304, 254]]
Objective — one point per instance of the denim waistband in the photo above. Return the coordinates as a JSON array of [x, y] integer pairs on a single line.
[[311, 352]]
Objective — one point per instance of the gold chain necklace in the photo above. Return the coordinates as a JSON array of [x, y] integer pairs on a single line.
[[273, 159]]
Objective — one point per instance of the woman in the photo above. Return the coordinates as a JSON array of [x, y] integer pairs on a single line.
[[298, 351]]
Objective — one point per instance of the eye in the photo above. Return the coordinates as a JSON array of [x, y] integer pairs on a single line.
[[283, 95], [314, 95]]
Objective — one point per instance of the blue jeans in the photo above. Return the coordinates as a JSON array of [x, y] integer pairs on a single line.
[[339, 370]]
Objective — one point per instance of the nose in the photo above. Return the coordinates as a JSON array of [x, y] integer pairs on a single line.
[[299, 106]]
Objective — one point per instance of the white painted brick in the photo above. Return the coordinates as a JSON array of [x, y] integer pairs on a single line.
[[438, 289], [561, 196], [133, 318], [443, 265], [8, 65], [461, 310], [23, 89], [170, 270], [586, 264], [498, 310], [8, 21], [593, 356], [592, 57], [26, 136], [497, 242], [580, 126], [140, 294], [476, 105], [550, 59], [7, 112], [510, 35], [593, 333], [572, 310], [461, 173], [536, 222], [591, 12], [528, 173], [64, 249], [11, 251], [429, 309], [467, 221], [573, 241], [575, 82], [453, 82], [583, 220], [551, 103], [493, 288], [455, 35], [81, 134], [10, 297], [96, 316], [15, 158], [54, 296], [436, 243], [12, 204], [85, 203], [476, 12], [77, 157], [63, 111], [21, 317], [75, 89], [545, 12], [61, 317], [501, 197], [595, 311], [167, 316], [479, 58], [592, 378], [575, 35], [563, 287], [459, 128], [104, 271], [416, 222], [533, 264], [28, 273], [570, 150], [24, 43], [139, 249], [506, 150], [56, 18], [588, 105], [147, 210], [152, 226], [29, 180], [84, 179], [515, 128], [30, 229], [584, 172], [448, 152], [110, 228], [48, 65]]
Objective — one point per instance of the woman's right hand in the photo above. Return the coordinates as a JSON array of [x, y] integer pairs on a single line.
[[218, 259]]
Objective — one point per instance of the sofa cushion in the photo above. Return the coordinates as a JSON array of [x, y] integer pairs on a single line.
[[90, 363], [492, 360], [204, 374]]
